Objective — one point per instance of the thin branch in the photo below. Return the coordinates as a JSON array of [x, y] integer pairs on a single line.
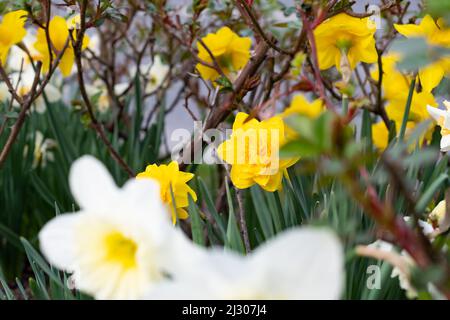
[[77, 44]]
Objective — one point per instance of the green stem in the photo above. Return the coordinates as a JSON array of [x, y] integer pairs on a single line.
[[344, 104], [407, 109]]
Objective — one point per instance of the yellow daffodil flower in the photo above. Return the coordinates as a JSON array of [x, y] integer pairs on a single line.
[[229, 50], [170, 177], [301, 106], [253, 152], [59, 34], [12, 31], [436, 33], [344, 40]]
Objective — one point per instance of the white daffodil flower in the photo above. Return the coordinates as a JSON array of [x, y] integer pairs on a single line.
[[155, 74], [121, 242], [42, 150], [5, 95], [401, 261], [442, 117], [99, 90], [24, 82], [304, 263]]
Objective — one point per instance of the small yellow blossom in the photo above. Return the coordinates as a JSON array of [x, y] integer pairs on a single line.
[[253, 152], [171, 178], [59, 35], [229, 50], [344, 40], [436, 33], [300, 105], [12, 31]]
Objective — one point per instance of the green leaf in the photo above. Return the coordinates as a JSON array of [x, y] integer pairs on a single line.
[[431, 192], [196, 223], [212, 208], [262, 212], [234, 239]]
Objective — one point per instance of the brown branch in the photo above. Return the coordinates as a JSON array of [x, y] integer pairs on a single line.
[[21, 118], [77, 45], [249, 16]]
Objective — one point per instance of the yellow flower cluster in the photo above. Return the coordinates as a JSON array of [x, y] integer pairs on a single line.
[[12, 32], [253, 152]]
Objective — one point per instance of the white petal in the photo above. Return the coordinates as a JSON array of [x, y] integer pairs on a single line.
[[447, 120], [144, 192], [52, 93], [305, 263], [91, 184], [57, 241], [447, 104], [436, 113], [445, 143], [120, 88], [39, 105]]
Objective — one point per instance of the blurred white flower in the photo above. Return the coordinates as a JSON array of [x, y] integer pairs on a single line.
[[302, 263], [155, 74], [19, 59], [94, 43], [42, 150], [4, 92], [120, 88], [24, 82], [100, 92], [121, 242], [402, 262], [442, 117]]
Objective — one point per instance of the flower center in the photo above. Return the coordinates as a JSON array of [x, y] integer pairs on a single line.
[[225, 62], [120, 250], [344, 44]]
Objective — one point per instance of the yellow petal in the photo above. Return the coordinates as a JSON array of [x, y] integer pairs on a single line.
[[59, 32], [431, 76], [67, 61], [240, 178], [274, 183]]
